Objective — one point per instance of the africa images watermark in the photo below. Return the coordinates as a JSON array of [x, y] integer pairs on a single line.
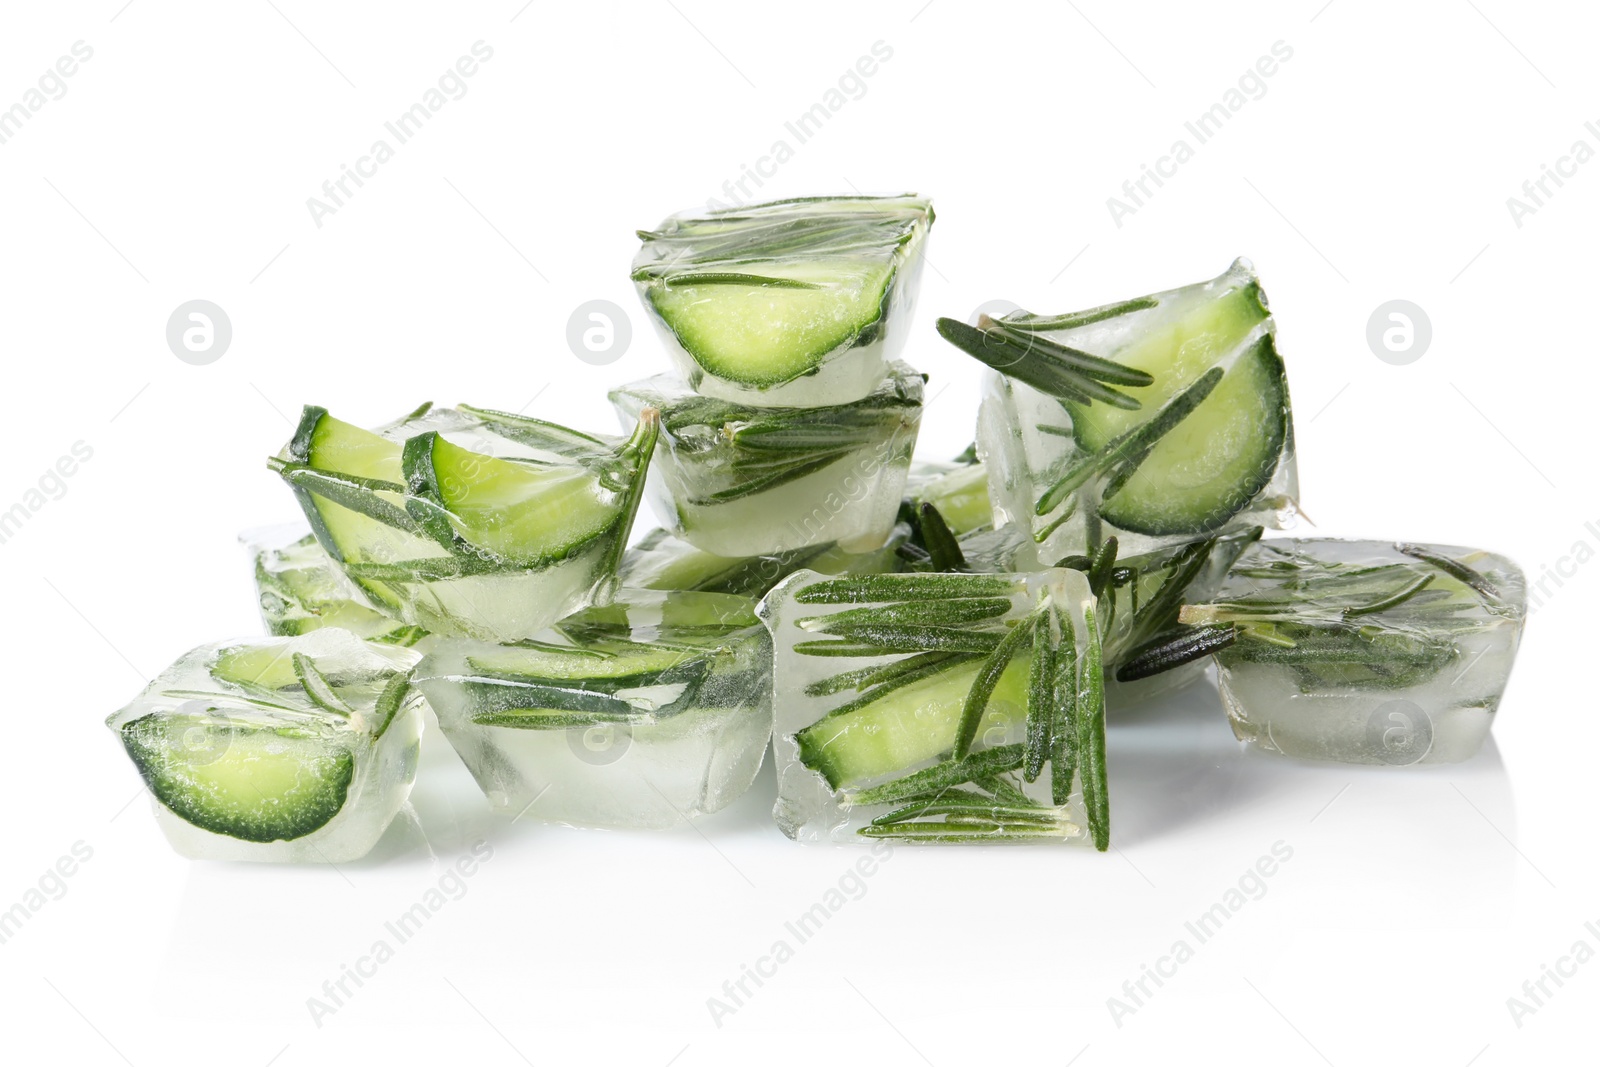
[[850, 886], [1252, 85], [1552, 576], [862, 477], [51, 485], [48, 887], [451, 85], [1537, 192], [1537, 992], [51, 85], [450, 886], [1251, 886], [850, 85]]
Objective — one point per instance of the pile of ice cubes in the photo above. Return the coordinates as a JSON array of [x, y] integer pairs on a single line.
[[932, 647]]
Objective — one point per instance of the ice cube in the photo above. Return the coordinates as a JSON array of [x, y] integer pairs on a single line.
[[470, 522], [300, 588], [285, 749], [927, 707], [740, 481], [1205, 447], [642, 714], [1366, 651], [795, 303], [661, 561]]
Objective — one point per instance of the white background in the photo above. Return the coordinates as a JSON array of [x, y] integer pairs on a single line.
[[1376, 166]]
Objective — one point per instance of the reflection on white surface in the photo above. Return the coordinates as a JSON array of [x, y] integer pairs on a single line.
[[1180, 781], [1193, 810]]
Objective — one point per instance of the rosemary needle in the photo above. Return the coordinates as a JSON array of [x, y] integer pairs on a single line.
[[988, 677], [1092, 739], [1041, 701], [1064, 714]]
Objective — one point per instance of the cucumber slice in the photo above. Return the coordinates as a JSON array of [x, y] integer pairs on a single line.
[[636, 661], [778, 322], [761, 296], [527, 515], [324, 443], [961, 495], [562, 702], [330, 444], [1214, 462], [257, 666], [244, 779], [1197, 334], [617, 663], [907, 726], [1200, 415]]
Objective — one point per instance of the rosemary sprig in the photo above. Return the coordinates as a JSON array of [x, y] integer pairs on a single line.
[[1457, 570], [869, 677], [942, 776], [879, 640], [1174, 648], [1053, 369], [960, 802], [1030, 323], [1384, 625], [955, 612], [878, 588]]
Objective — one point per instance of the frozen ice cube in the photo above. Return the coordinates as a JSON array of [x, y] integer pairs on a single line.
[[284, 749], [795, 303], [740, 481], [470, 522], [938, 707], [661, 561], [300, 588], [643, 713], [1366, 651], [1185, 432]]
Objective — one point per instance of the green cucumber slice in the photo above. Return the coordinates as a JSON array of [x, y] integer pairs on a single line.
[[352, 534], [256, 666], [962, 497], [1219, 455], [245, 780], [1175, 352], [330, 444], [616, 663], [520, 513], [777, 321], [1217, 459], [557, 688], [907, 726]]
